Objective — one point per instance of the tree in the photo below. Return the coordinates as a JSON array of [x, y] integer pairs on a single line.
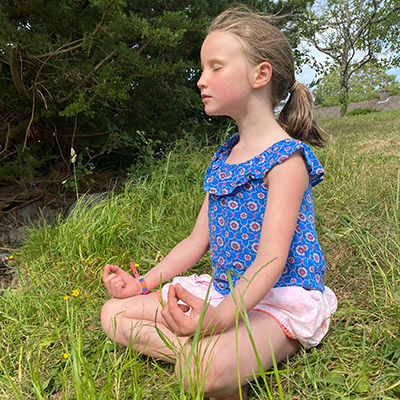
[[364, 84], [353, 33], [104, 75], [89, 69]]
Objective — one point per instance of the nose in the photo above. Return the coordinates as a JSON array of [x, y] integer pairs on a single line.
[[202, 82]]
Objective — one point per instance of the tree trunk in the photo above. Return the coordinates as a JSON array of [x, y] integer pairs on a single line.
[[344, 100], [344, 92]]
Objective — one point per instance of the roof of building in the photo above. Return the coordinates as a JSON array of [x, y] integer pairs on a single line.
[[391, 103]]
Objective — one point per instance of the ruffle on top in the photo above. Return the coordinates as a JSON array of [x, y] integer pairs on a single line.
[[222, 178]]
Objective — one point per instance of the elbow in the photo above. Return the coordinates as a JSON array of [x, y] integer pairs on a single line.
[[199, 242]]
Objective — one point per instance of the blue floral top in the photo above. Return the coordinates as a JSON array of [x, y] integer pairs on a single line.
[[237, 201]]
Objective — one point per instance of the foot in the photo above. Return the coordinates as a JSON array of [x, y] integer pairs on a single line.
[[235, 395]]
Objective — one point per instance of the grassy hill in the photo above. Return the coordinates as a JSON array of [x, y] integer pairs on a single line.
[[52, 345]]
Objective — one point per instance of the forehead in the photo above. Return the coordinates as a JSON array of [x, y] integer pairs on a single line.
[[219, 43]]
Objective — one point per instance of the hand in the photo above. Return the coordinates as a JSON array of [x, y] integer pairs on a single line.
[[119, 283], [174, 315]]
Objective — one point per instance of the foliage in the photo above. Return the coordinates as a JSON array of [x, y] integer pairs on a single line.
[[364, 84], [23, 167], [99, 75], [353, 33], [51, 342], [362, 111]]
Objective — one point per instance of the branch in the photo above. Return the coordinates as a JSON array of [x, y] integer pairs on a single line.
[[368, 23], [69, 135], [83, 81], [326, 50], [104, 60], [31, 119], [393, 11], [63, 49], [15, 131], [16, 73], [103, 18], [80, 42], [367, 57]]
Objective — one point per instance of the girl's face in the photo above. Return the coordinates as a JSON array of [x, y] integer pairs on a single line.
[[225, 82]]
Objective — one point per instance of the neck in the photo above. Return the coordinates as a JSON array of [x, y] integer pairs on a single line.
[[259, 127]]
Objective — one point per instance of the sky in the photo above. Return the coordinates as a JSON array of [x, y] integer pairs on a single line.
[[307, 74]]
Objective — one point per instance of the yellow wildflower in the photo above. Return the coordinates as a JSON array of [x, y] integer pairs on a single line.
[[354, 163], [136, 265], [75, 293], [66, 298], [65, 355]]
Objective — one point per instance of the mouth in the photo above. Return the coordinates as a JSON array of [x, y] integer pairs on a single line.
[[205, 97]]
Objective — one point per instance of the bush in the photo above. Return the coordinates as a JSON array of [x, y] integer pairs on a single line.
[[362, 111]]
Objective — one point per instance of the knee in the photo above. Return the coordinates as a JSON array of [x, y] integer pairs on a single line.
[[108, 316]]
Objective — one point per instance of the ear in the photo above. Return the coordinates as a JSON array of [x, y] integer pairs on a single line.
[[263, 74]]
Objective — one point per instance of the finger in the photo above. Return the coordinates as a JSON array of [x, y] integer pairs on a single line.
[[185, 308], [122, 273], [173, 300], [113, 268], [109, 268], [106, 272], [109, 277], [176, 311], [118, 288], [116, 280], [169, 309], [188, 298], [111, 282], [167, 319], [119, 284]]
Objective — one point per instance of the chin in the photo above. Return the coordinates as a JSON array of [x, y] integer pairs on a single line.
[[215, 113]]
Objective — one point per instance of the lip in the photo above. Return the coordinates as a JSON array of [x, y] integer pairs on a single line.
[[205, 97]]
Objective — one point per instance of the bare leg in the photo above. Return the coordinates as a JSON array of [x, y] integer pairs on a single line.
[[219, 354], [137, 321]]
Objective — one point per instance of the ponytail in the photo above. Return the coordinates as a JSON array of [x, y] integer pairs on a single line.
[[297, 118]]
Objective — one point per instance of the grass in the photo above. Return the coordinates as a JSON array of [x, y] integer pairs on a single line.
[[52, 347]]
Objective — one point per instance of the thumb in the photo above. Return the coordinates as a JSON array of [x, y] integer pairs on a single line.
[[112, 268], [118, 270], [191, 300]]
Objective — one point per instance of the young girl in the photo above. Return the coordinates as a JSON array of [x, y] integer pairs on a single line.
[[257, 220]]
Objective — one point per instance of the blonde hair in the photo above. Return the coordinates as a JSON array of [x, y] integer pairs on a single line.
[[262, 41]]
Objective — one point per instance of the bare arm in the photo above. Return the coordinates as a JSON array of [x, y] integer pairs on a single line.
[[121, 284], [185, 254], [287, 183]]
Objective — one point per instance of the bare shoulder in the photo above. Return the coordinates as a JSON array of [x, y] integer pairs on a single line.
[[292, 170]]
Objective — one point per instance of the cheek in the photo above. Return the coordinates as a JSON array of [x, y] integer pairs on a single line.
[[228, 92]]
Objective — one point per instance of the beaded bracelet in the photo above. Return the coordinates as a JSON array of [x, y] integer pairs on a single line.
[[139, 278]]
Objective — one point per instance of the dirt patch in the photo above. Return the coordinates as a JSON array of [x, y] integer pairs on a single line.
[[21, 206]]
